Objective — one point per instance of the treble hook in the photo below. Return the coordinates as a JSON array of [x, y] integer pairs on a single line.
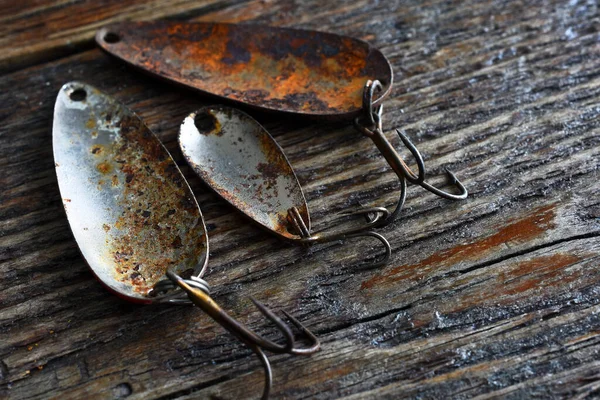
[[370, 125], [197, 291], [306, 237]]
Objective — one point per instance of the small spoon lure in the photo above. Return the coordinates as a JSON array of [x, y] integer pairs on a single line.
[[238, 158], [134, 217]]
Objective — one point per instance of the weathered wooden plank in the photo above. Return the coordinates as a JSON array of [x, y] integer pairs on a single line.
[[495, 296]]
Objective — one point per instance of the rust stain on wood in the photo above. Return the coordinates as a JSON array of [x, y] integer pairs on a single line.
[[543, 269], [520, 231], [543, 273]]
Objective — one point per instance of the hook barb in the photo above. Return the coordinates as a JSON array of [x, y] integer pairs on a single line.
[[311, 336], [286, 331], [196, 289]]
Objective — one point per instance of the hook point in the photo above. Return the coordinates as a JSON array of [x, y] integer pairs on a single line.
[[452, 179]]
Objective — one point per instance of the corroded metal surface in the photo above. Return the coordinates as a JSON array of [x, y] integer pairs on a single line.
[[238, 159], [281, 69], [131, 211]]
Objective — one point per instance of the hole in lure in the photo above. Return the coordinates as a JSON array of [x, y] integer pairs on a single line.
[[205, 122], [78, 94], [111, 37]]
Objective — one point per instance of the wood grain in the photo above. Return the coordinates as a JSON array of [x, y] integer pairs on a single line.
[[496, 296]]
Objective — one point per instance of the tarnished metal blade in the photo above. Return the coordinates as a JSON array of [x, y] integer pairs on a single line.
[[238, 159], [132, 212], [304, 72]]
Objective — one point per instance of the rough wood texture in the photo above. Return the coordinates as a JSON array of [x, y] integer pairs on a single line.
[[494, 296]]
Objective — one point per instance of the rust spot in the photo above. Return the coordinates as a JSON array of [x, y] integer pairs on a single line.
[[91, 123], [520, 231], [277, 163], [67, 200], [543, 269], [106, 227], [272, 292], [539, 275], [336, 372], [274, 68], [97, 149], [176, 242], [104, 168], [269, 173]]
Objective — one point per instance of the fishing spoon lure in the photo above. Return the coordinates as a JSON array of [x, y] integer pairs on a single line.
[[300, 72], [135, 218], [238, 158]]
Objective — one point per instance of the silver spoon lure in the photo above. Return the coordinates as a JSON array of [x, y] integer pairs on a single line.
[[238, 158]]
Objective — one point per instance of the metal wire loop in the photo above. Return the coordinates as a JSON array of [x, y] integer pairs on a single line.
[[370, 121]]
